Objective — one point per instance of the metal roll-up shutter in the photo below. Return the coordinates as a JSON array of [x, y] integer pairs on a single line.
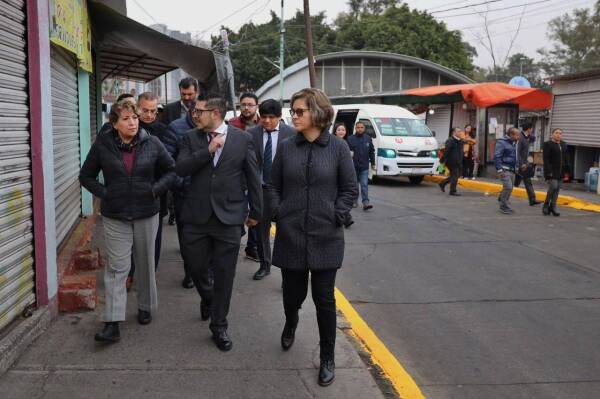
[[65, 132], [16, 227], [579, 117], [439, 123], [93, 109]]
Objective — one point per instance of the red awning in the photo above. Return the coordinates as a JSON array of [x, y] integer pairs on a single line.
[[485, 95]]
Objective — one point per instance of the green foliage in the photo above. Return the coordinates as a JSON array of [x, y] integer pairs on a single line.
[[399, 29], [576, 45], [518, 64], [376, 25]]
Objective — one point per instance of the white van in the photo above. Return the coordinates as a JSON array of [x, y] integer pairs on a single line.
[[404, 145]]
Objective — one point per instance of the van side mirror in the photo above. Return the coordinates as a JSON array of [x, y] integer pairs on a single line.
[[433, 133]]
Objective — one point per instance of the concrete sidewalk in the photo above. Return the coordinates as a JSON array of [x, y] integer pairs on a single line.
[[174, 357]]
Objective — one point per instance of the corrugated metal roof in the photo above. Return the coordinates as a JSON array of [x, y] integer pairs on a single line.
[[594, 73]]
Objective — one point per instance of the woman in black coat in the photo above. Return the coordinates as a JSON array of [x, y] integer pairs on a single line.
[[137, 170], [313, 188]]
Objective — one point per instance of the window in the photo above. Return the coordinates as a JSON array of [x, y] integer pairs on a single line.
[[391, 79], [333, 81], [371, 83], [410, 78], [428, 78], [402, 127], [352, 75]]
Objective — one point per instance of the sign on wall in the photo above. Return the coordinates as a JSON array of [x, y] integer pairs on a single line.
[[70, 29]]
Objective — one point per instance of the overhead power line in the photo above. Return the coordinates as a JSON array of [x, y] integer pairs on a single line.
[[495, 9], [145, 11], [467, 6]]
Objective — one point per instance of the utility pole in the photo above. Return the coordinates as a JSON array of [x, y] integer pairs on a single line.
[[225, 39], [281, 55], [309, 46]]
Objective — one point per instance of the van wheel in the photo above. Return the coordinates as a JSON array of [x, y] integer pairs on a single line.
[[415, 179]]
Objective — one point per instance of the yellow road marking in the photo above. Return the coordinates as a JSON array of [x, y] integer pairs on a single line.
[[494, 188], [380, 355]]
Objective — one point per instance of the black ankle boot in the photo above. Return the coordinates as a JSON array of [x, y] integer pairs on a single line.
[[546, 209], [110, 333], [289, 332], [553, 211], [326, 372]]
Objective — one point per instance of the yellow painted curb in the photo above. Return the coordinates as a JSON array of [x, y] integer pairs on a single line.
[[380, 355], [494, 188]]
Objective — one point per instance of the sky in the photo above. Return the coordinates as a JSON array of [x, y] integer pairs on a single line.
[[204, 18]]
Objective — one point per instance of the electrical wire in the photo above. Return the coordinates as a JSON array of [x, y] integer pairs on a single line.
[[467, 6], [495, 9]]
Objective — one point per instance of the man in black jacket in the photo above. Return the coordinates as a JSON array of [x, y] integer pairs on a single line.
[[555, 164], [267, 137], [363, 156], [188, 90], [525, 170], [148, 109], [221, 162], [452, 158]]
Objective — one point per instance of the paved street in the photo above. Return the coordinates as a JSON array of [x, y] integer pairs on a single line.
[[173, 357], [476, 304]]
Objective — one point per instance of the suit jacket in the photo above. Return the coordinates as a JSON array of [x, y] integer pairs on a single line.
[[453, 152], [171, 112], [257, 132], [220, 188]]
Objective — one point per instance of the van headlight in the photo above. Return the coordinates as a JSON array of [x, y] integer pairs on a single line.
[[434, 154], [386, 153]]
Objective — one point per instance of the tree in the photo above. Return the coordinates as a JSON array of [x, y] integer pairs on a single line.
[[517, 64], [253, 43], [398, 29], [576, 44]]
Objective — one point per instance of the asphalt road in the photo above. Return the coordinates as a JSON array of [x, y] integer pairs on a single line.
[[474, 303]]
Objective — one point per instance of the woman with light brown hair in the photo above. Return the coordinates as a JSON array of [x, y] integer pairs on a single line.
[[313, 188], [137, 170]]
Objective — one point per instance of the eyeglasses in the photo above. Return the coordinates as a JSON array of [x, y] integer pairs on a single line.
[[149, 111], [298, 111], [247, 105], [199, 111]]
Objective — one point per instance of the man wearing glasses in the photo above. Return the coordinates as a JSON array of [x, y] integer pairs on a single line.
[[148, 109], [247, 120]]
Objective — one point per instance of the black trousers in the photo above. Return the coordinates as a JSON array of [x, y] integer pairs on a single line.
[[467, 168], [453, 178], [263, 231], [178, 204], [214, 246], [295, 288], [528, 186]]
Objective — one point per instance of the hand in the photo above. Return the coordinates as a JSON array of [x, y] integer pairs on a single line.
[[523, 168], [251, 222], [216, 143], [501, 174]]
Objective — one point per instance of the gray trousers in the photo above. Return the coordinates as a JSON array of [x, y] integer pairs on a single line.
[[123, 237], [508, 179], [554, 186]]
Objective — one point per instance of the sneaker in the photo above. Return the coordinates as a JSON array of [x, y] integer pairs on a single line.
[[367, 206], [506, 210]]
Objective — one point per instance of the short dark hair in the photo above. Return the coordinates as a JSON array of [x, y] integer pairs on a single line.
[[218, 103], [270, 107], [321, 110], [454, 129], [187, 82], [125, 95], [201, 97], [511, 130], [360, 123], [527, 126], [249, 95], [148, 96]]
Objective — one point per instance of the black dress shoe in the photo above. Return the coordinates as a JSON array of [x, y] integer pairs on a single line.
[[455, 194], [326, 372], [263, 272], [534, 203], [204, 310], [144, 317], [187, 282], [171, 220], [289, 333], [222, 341], [554, 212], [442, 187], [110, 333], [546, 209]]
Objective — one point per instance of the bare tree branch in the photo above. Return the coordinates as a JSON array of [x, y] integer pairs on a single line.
[[512, 40]]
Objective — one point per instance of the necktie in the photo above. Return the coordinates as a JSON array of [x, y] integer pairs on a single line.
[[268, 159], [212, 135]]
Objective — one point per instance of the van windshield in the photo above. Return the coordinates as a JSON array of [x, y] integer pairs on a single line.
[[402, 127]]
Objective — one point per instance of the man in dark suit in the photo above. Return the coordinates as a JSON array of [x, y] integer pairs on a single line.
[[267, 138], [188, 90], [221, 162], [452, 158]]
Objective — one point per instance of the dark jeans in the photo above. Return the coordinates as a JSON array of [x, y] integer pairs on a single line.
[[554, 186], [453, 178], [295, 288], [528, 186], [362, 176], [214, 246], [467, 167]]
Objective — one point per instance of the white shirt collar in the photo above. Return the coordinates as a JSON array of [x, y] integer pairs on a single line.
[[222, 129], [272, 131]]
